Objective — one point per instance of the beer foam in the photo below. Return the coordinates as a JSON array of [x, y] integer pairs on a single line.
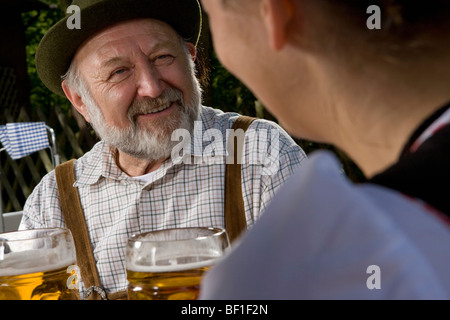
[[172, 265], [17, 263]]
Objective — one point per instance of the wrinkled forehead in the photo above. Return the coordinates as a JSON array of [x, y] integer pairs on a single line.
[[127, 35]]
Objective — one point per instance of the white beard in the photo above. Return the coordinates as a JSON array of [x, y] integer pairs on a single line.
[[143, 143]]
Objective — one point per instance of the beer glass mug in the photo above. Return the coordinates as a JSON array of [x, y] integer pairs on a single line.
[[37, 265], [169, 264]]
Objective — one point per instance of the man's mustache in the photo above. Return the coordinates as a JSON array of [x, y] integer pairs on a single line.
[[149, 105]]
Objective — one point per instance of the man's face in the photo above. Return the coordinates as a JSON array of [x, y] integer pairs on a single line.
[[142, 86]]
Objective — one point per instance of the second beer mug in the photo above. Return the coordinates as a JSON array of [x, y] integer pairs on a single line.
[[169, 264]]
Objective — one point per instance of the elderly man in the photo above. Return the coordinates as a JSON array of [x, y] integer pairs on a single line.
[[129, 70]]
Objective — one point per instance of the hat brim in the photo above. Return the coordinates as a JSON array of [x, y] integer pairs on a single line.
[[58, 46]]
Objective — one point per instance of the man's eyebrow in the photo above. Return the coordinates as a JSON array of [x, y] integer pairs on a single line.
[[113, 61], [163, 45], [117, 60]]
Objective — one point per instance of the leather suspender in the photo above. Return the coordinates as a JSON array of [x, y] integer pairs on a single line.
[[75, 221], [235, 221]]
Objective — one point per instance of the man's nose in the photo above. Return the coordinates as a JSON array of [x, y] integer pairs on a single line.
[[149, 81]]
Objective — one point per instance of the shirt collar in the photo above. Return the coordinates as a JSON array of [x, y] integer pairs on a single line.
[[97, 163]]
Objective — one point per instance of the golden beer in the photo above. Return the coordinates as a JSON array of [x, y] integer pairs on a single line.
[[38, 265], [46, 285], [166, 285], [169, 264]]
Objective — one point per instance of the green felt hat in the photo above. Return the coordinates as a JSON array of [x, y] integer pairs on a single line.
[[58, 46]]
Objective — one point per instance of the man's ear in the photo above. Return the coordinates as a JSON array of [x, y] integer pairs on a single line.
[[192, 50], [277, 15], [76, 100]]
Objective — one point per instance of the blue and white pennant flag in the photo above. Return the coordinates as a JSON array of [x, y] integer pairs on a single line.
[[23, 138]]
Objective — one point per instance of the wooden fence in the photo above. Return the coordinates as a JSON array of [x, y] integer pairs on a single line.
[[19, 177]]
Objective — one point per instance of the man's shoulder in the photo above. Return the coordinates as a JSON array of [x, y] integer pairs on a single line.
[[262, 136], [215, 118], [92, 156], [48, 182]]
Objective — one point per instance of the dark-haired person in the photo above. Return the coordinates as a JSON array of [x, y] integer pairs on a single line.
[[129, 70], [380, 95]]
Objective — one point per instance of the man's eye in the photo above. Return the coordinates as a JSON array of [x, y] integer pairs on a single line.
[[120, 71], [118, 74], [164, 59]]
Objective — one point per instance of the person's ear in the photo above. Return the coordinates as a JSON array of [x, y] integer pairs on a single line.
[[192, 50], [277, 15], [76, 100]]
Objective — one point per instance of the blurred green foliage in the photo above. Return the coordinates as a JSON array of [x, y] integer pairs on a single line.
[[36, 25]]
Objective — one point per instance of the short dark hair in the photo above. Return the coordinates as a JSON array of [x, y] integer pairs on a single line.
[[400, 16]]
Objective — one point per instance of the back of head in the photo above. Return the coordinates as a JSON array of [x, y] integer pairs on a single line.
[[404, 28]]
